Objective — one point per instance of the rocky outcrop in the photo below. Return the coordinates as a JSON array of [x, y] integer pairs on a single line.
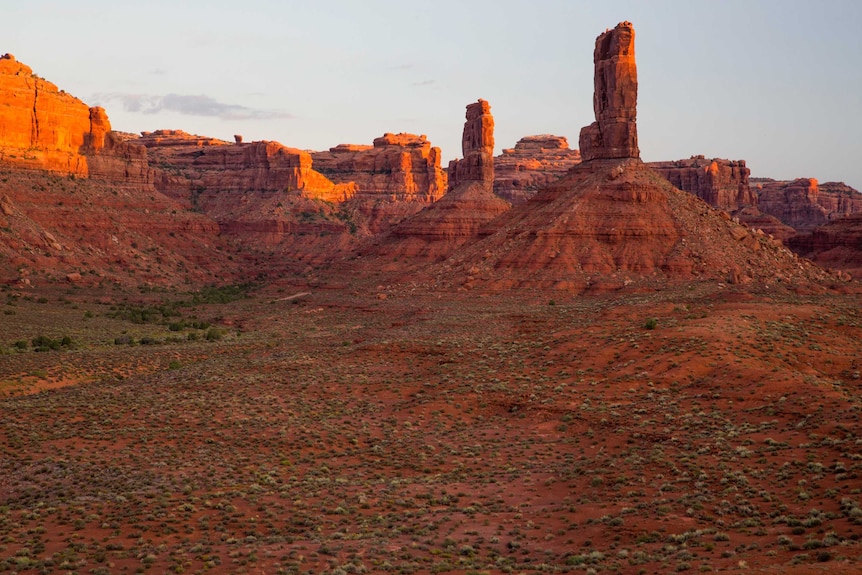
[[614, 133], [477, 145], [836, 245], [723, 184], [397, 167], [534, 163], [805, 203], [462, 213], [612, 222], [757, 220], [43, 128], [189, 165]]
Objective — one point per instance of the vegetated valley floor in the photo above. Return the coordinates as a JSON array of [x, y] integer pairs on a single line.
[[382, 429]]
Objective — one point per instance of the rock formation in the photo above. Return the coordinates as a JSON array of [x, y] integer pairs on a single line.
[[614, 133], [460, 215], [534, 163], [477, 145], [836, 244], [611, 221], [723, 184], [192, 165], [805, 203], [397, 167], [43, 128]]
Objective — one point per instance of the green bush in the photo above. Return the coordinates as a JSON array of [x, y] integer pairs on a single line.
[[651, 323], [215, 334], [45, 343]]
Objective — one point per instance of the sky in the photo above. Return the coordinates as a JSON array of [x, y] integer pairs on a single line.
[[777, 83]]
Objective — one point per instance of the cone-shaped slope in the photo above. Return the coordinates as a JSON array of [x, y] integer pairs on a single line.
[[613, 223], [438, 230]]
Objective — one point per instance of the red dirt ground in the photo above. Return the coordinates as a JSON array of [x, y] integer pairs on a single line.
[[429, 432]]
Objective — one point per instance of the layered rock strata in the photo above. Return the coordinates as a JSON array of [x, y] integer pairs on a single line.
[[397, 167], [805, 203], [836, 244], [534, 163], [723, 184], [611, 221], [190, 165]]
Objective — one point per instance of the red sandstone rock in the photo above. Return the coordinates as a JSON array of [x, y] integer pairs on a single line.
[[611, 221], [193, 164], [44, 128], [614, 133], [805, 203], [836, 244], [460, 215], [534, 163], [477, 145], [757, 220], [398, 167], [721, 183]]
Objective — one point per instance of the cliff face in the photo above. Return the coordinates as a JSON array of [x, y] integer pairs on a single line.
[[805, 203], [190, 165], [43, 128], [836, 244], [614, 133], [723, 184], [397, 167], [534, 163]]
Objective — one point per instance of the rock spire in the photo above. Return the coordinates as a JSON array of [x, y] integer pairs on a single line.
[[614, 133], [477, 145]]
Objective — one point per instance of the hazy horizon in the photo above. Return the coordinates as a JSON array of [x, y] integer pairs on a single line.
[[772, 82]]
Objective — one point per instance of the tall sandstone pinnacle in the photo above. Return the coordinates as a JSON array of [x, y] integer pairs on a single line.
[[614, 133], [477, 145], [464, 210]]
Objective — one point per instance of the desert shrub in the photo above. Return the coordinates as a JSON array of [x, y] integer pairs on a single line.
[[124, 340], [651, 323], [214, 334], [147, 340], [21, 344], [45, 343]]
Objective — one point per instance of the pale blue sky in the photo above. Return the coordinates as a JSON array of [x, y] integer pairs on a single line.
[[775, 82]]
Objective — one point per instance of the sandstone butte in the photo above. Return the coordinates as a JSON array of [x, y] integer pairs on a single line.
[[721, 183], [836, 245], [459, 216], [534, 163], [397, 167], [805, 203], [613, 222]]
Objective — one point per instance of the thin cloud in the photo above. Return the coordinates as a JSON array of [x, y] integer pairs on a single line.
[[424, 83], [200, 105]]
